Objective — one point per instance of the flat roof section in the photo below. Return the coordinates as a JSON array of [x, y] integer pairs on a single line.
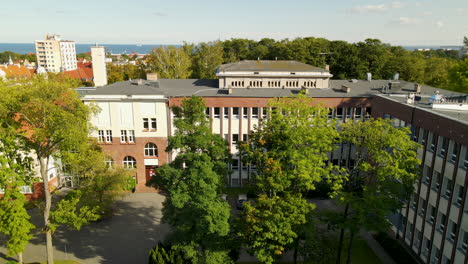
[[268, 65]]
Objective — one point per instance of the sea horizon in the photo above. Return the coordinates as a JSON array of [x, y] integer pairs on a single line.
[[25, 48]]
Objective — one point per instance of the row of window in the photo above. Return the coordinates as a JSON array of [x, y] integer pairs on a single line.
[[130, 162], [339, 112], [427, 243], [444, 145], [276, 84]]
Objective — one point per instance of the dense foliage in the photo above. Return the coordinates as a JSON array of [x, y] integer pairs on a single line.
[[290, 152], [198, 217], [346, 60]]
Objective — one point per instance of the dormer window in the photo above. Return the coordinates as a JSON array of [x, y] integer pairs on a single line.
[[293, 73], [256, 73]]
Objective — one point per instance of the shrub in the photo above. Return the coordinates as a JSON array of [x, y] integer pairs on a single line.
[[164, 254], [394, 248]]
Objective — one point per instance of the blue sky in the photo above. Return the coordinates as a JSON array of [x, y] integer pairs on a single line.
[[419, 22]]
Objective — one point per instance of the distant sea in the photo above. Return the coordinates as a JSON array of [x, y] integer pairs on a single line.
[[25, 48]]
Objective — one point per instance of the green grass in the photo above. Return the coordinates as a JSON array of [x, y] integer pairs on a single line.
[[361, 253]]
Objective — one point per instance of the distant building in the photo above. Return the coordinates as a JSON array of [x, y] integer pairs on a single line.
[[98, 55], [56, 55]]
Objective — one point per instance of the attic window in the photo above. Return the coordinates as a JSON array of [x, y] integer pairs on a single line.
[[293, 73], [255, 72]]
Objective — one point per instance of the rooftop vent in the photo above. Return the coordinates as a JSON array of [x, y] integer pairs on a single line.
[[417, 88], [396, 76], [139, 82], [327, 67], [229, 90], [304, 90], [345, 88], [369, 76]]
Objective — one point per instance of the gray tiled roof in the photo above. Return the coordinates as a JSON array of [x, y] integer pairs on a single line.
[[204, 87], [269, 65]]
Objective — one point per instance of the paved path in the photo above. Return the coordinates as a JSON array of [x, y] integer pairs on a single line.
[[125, 238], [377, 248]]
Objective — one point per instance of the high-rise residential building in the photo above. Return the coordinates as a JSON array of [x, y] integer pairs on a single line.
[[136, 120], [56, 55]]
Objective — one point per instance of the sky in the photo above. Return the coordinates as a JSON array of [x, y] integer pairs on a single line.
[[419, 22]]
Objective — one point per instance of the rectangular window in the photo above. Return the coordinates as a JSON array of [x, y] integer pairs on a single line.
[[123, 136], [423, 204], [245, 112], [235, 138], [454, 152], [235, 164], [108, 136], [358, 113], [349, 112], [216, 112], [330, 113], [433, 142], [235, 112], [427, 246], [426, 171], [101, 136], [436, 180], [339, 113], [145, 123], [264, 112], [432, 216], [131, 136], [417, 238], [448, 187], [154, 125], [255, 112], [460, 190], [244, 137], [207, 112], [453, 230], [443, 147], [226, 112], [368, 112], [465, 162], [443, 218], [464, 242]]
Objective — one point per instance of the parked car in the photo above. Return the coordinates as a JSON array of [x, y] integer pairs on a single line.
[[241, 199]]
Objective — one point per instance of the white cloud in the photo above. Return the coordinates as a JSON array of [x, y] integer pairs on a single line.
[[376, 8], [426, 13], [407, 21], [439, 24]]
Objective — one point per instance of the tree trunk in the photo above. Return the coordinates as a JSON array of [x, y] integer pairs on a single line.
[[43, 162], [295, 250], [20, 258], [351, 238], [340, 244]]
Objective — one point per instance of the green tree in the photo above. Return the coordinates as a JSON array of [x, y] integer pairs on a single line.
[[169, 62], [206, 58], [290, 152], [193, 208], [164, 254], [50, 120], [458, 77], [383, 177], [15, 171]]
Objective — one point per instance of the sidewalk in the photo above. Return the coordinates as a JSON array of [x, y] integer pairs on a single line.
[[378, 250]]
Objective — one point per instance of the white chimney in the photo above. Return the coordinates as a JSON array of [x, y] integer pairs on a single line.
[[98, 56]]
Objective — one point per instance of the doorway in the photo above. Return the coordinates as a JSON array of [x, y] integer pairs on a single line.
[[150, 171]]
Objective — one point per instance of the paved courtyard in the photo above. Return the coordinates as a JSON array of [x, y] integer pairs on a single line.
[[125, 238]]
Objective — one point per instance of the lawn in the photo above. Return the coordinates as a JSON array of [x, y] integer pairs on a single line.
[[361, 254]]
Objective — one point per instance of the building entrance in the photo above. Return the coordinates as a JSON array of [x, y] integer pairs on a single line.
[[150, 171]]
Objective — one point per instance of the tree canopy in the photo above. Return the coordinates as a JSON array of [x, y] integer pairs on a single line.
[[198, 217]]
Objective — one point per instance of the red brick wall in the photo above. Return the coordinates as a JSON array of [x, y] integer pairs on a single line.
[[118, 151]]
